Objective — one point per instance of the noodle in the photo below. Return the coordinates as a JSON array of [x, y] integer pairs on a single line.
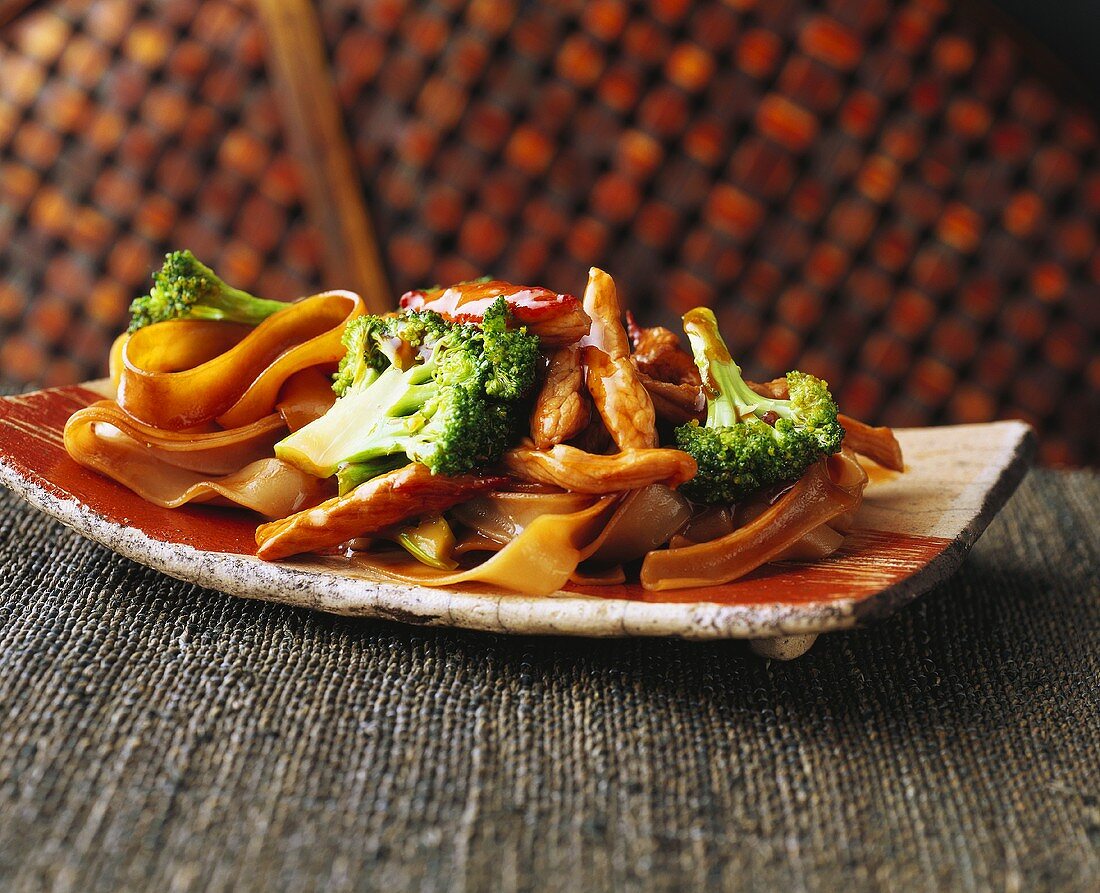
[[201, 404], [554, 544], [816, 498], [195, 418], [182, 373], [305, 397], [211, 452], [170, 469]]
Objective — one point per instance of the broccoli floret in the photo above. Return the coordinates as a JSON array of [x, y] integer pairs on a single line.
[[371, 343], [362, 359], [512, 356], [414, 387], [185, 288], [738, 451]]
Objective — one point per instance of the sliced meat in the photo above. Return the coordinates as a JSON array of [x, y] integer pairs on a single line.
[[659, 353], [620, 399], [386, 500], [562, 408], [675, 403], [594, 438], [776, 388], [581, 472], [877, 444]]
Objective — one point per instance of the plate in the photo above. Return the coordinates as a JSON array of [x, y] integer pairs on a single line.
[[913, 531]]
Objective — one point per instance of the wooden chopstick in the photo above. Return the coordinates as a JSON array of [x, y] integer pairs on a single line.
[[9, 9], [311, 114]]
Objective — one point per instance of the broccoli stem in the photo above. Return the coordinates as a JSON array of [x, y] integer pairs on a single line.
[[731, 398], [228, 303], [185, 288], [366, 425], [353, 474], [413, 387]]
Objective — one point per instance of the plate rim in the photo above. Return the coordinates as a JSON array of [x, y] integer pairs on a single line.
[[571, 614]]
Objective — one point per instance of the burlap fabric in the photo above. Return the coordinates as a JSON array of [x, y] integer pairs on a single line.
[[159, 736]]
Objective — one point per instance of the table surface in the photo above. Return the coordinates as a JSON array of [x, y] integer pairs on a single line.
[[156, 735]]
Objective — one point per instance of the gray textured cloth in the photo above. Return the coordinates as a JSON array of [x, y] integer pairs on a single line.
[[160, 736]]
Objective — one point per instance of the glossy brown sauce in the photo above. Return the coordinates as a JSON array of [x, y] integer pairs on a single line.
[[876, 474], [470, 300]]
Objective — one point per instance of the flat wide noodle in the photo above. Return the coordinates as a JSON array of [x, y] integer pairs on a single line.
[[208, 452], [498, 518], [170, 469], [539, 561], [305, 397], [830, 488], [182, 373], [643, 520], [818, 543]]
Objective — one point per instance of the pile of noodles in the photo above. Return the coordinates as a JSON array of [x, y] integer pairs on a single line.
[[200, 404]]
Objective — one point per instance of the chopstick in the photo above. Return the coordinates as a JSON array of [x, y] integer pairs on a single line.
[[311, 114], [9, 9]]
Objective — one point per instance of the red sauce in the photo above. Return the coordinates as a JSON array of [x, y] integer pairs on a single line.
[[468, 301]]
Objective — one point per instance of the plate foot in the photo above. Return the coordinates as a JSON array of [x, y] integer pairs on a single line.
[[783, 647]]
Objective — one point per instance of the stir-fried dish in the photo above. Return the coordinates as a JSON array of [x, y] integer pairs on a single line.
[[486, 432]]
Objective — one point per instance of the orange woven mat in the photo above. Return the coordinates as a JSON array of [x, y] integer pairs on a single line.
[[880, 192]]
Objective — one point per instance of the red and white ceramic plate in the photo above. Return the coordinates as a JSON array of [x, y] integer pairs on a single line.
[[913, 531]]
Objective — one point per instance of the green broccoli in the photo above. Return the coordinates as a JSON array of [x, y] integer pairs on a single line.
[[185, 288], [350, 476], [371, 343], [414, 387], [750, 441]]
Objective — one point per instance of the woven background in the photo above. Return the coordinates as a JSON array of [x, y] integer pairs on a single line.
[[157, 736], [880, 191]]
